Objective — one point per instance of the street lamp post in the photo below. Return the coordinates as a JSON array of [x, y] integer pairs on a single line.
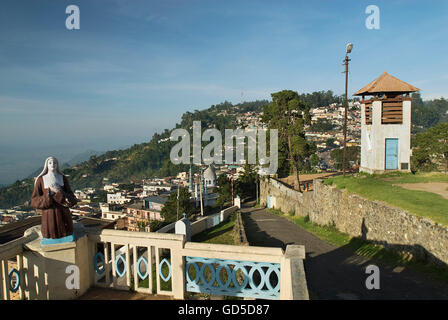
[[346, 60]]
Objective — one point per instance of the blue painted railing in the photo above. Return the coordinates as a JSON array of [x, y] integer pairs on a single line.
[[213, 281], [14, 284], [168, 264]]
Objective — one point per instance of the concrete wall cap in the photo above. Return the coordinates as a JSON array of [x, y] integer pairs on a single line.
[[295, 251], [136, 234], [234, 249]]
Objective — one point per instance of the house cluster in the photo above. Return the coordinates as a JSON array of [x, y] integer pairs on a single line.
[[86, 194], [14, 215], [250, 120], [335, 114], [325, 140], [138, 208]]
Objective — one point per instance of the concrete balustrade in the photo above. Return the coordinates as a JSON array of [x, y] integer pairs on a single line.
[[123, 259]]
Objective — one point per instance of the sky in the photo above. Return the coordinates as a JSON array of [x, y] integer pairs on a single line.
[[134, 67]]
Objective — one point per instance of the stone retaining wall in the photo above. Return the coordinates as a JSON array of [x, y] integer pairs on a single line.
[[375, 221], [283, 198], [239, 232]]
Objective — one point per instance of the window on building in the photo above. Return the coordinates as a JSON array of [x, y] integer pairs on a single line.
[[392, 112], [368, 112]]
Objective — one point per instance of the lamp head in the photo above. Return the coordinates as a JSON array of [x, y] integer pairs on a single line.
[[349, 48]]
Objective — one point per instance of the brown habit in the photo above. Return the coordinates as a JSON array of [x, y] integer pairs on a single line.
[[56, 217]]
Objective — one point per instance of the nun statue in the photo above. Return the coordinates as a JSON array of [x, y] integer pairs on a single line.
[[52, 197]]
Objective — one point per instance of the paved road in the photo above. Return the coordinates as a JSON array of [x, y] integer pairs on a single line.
[[335, 272]]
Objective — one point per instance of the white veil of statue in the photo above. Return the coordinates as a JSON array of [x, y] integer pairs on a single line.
[[52, 179]]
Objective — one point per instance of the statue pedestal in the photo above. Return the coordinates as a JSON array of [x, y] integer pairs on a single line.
[[69, 238], [51, 269]]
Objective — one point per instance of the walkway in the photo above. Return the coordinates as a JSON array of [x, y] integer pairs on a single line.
[[111, 294], [335, 272]]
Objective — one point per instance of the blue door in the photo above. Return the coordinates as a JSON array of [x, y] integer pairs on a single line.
[[269, 201], [392, 154]]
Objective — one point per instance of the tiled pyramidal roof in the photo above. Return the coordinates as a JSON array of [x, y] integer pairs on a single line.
[[386, 83]]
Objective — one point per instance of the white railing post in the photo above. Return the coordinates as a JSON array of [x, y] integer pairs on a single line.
[[128, 266], [285, 279], [178, 271], [2, 281], [114, 272], [26, 283], [22, 276], [134, 253], [5, 279], [293, 281], [150, 261], [106, 262], [157, 253]]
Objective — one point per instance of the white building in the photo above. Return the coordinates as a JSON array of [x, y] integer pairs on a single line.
[[108, 212], [386, 125], [109, 188], [117, 198], [210, 177], [182, 175], [157, 187]]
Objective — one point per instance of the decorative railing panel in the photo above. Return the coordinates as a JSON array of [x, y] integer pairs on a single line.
[[154, 263], [233, 278], [137, 260], [18, 277]]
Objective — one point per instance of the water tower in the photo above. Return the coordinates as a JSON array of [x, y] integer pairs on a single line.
[[386, 125]]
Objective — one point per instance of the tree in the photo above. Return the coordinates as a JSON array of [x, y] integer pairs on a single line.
[[169, 210], [246, 184], [223, 189], [314, 160], [426, 114], [129, 187], [289, 115], [322, 125], [431, 148], [353, 154], [101, 196], [330, 142], [319, 98]]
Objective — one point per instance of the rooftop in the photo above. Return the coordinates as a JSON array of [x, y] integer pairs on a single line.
[[386, 83], [157, 199]]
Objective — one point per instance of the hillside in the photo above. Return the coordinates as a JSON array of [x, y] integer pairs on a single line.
[[151, 159], [145, 160]]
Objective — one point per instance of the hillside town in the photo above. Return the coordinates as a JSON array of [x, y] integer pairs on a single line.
[[217, 150], [141, 202]]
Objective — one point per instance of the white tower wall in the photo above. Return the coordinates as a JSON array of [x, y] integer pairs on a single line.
[[373, 139]]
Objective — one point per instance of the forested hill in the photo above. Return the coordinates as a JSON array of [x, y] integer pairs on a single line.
[[150, 159], [426, 114]]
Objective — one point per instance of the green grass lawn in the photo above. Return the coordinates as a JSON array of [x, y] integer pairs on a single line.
[[327, 233], [382, 188], [220, 234], [366, 249]]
